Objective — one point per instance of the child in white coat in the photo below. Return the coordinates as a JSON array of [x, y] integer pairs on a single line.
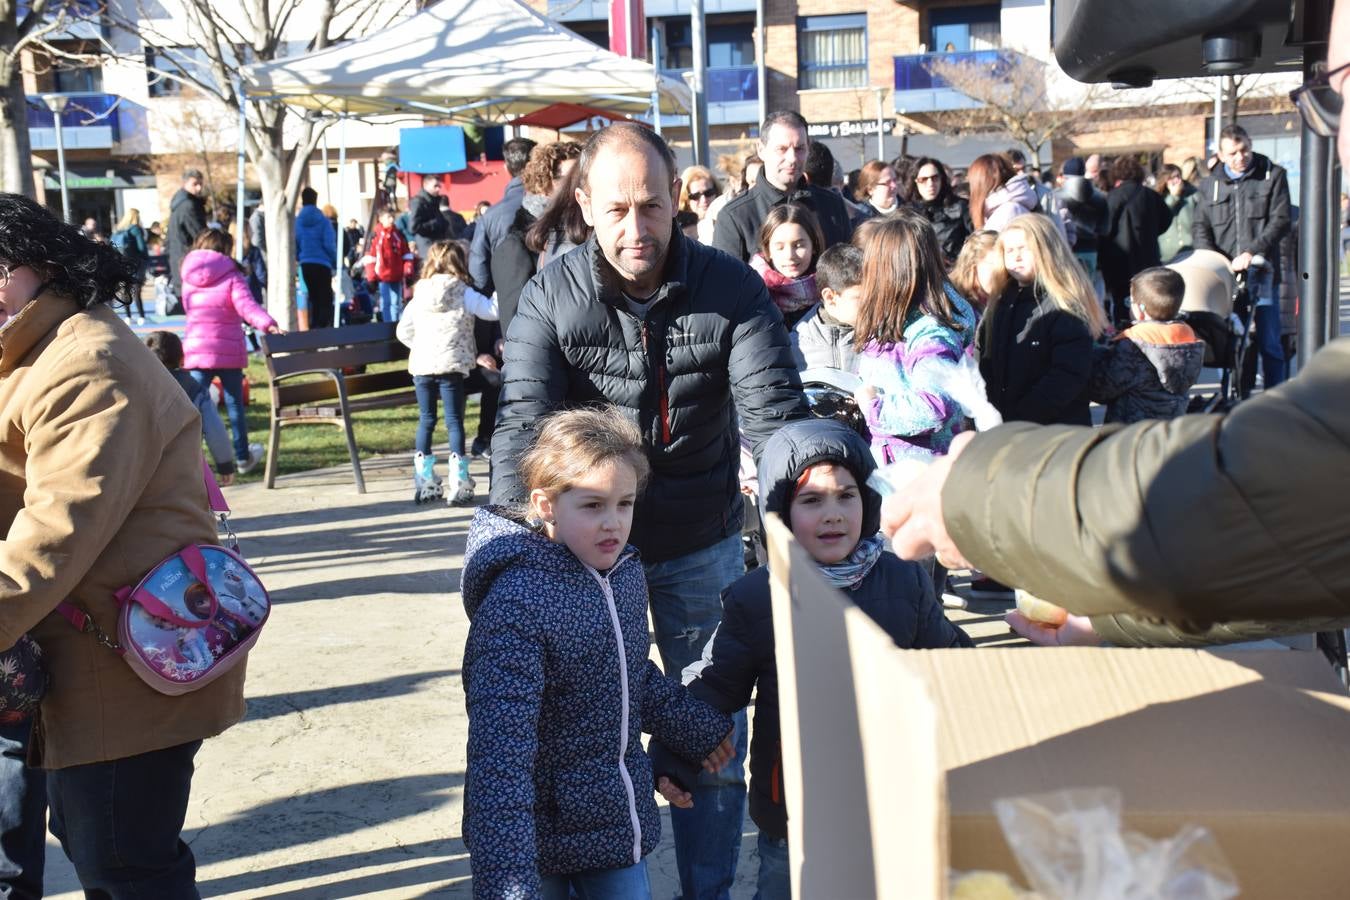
[[437, 326]]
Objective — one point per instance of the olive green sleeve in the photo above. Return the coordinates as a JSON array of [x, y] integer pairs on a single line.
[[1195, 520], [1128, 631]]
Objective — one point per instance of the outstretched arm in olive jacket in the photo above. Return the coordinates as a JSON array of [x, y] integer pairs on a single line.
[[1195, 520]]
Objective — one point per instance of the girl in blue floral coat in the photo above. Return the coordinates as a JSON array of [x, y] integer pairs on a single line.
[[559, 793]]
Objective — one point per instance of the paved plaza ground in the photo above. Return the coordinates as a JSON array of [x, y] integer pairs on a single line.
[[346, 778]]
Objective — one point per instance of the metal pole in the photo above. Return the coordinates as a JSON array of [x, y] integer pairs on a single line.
[[342, 200], [1333, 234], [699, 47], [327, 180], [1318, 301], [761, 67], [61, 166], [57, 104], [239, 223], [881, 123], [656, 86], [1218, 113]]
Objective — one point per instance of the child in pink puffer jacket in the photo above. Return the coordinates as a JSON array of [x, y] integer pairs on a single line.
[[217, 300]]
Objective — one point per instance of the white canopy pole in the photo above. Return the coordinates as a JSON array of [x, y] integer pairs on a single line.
[[239, 194], [342, 200]]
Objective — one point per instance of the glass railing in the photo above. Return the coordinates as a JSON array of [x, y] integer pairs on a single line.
[[726, 84], [914, 73], [82, 111]]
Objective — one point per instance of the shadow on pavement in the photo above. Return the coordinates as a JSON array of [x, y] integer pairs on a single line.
[[273, 705]]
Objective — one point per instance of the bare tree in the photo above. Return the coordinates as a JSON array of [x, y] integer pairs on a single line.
[[1020, 96], [227, 36], [1238, 91], [22, 36]]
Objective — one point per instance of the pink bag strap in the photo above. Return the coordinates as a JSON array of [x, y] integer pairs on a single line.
[[214, 498]]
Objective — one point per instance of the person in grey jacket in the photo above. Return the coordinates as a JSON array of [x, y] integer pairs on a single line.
[[685, 341], [823, 339]]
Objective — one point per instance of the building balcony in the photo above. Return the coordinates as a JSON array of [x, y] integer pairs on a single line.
[[84, 19], [594, 10], [918, 89], [733, 94], [89, 122]]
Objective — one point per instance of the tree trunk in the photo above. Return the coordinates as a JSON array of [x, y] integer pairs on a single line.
[[280, 239], [16, 157]]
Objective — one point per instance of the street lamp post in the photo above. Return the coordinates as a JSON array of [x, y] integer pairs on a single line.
[[57, 104]]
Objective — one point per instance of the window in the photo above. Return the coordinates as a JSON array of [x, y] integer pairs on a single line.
[[832, 51], [964, 28], [162, 62], [77, 80], [730, 41]]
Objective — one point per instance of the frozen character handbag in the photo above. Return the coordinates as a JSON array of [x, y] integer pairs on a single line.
[[192, 618]]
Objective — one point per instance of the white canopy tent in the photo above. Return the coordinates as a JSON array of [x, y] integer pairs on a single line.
[[478, 60], [482, 61]]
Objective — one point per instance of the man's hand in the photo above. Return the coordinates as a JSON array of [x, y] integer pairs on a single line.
[[1241, 262], [1077, 631], [487, 361], [723, 754], [912, 516], [674, 796]]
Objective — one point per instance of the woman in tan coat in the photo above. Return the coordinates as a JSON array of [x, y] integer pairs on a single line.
[[100, 479]]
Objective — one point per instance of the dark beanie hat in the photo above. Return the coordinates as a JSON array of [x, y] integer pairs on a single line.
[[1074, 166]]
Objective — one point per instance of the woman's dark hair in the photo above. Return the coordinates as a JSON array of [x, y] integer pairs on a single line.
[[909, 188], [562, 215], [986, 174], [1165, 174], [69, 263]]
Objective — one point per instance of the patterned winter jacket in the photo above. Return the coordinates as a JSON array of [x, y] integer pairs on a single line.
[[437, 326], [1147, 372], [913, 415], [559, 687]]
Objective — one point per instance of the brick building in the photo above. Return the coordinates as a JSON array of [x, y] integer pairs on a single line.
[[845, 63]]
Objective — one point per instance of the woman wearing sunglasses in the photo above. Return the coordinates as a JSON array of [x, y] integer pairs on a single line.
[[698, 190], [101, 459], [929, 190]]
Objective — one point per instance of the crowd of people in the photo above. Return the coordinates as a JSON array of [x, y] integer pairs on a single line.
[[631, 328]]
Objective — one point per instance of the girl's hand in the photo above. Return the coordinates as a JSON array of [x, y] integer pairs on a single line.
[[1077, 631], [864, 395], [723, 754], [674, 796], [274, 329]]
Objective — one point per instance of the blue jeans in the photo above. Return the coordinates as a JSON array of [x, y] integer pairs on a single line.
[[775, 881], [686, 604], [23, 816], [1265, 299], [232, 386], [120, 823], [628, 883], [451, 391], [391, 301]]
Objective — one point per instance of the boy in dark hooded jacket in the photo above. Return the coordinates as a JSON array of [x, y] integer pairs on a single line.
[[1148, 370], [813, 473]]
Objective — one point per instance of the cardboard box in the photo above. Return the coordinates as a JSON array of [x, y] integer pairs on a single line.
[[905, 751]]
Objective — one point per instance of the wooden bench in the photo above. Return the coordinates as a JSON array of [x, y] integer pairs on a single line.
[[332, 399]]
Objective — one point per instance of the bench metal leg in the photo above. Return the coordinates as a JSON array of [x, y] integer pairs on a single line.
[[273, 445], [356, 459]]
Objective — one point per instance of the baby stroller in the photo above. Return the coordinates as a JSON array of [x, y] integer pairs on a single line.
[[829, 395], [1217, 308]]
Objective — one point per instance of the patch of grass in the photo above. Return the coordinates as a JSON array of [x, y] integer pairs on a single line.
[[306, 447]]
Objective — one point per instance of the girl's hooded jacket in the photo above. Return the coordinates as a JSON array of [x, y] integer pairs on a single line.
[[559, 688], [898, 595], [218, 301], [437, 326]]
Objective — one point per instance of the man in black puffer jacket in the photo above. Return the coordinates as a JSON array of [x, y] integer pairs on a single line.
[[684, 340], [741, 659], [783, 145]]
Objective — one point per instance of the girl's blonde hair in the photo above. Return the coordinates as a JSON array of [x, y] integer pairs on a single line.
[[575, 441], [447, 258], [129, 218], [965, 276], [1059, 274]]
